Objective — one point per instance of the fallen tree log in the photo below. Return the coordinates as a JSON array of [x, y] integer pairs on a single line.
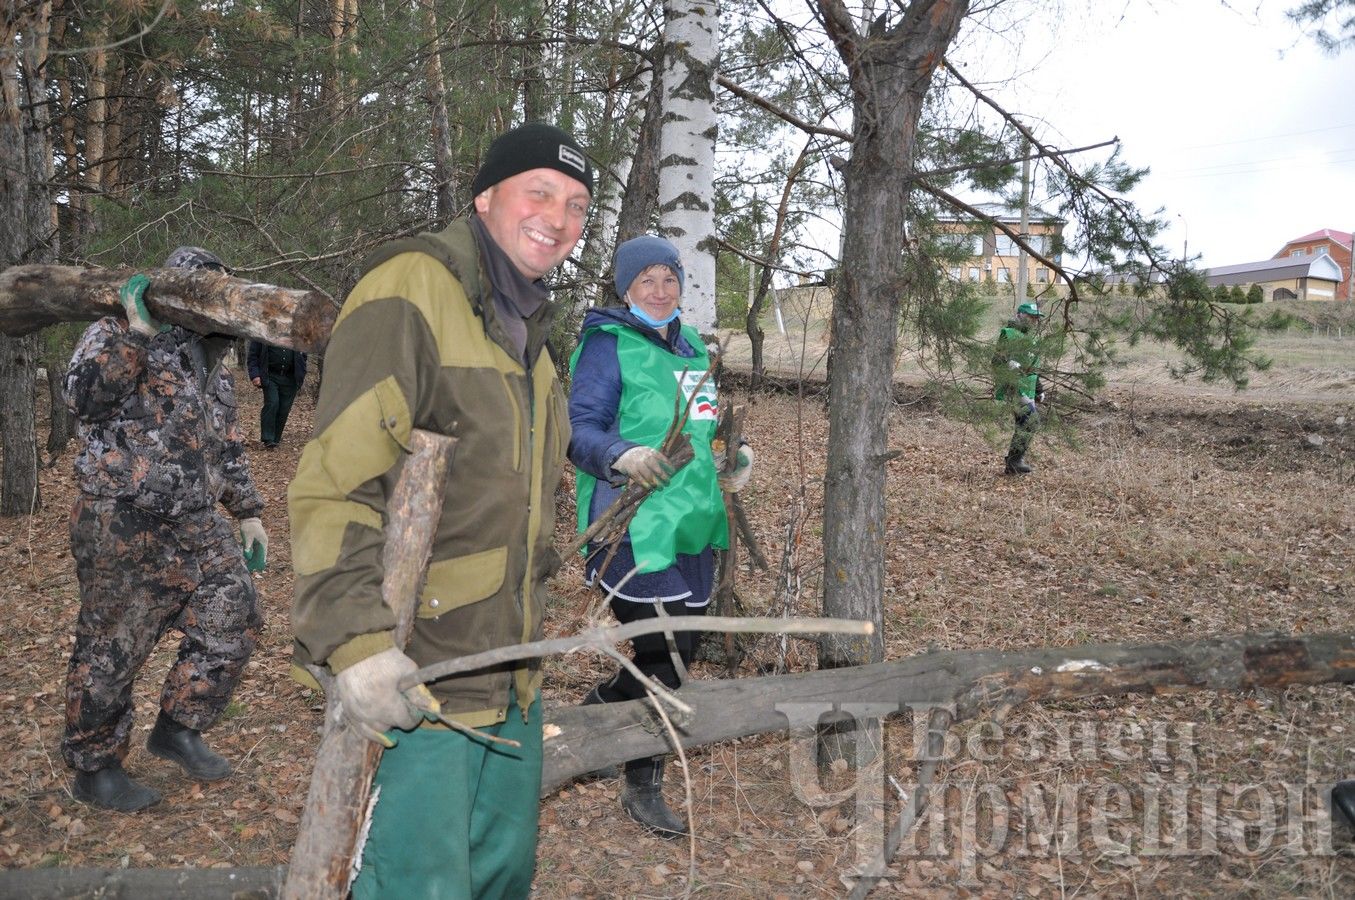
[[243, 883], [582, 739], [32, 297], [585, 738]]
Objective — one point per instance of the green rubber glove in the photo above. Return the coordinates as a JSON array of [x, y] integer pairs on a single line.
[[133, 298], [255, 542]]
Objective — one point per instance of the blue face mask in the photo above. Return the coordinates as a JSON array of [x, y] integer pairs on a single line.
[[640, 314]]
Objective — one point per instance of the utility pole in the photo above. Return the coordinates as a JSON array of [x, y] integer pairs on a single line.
[[1021, 276], [1350, 283]]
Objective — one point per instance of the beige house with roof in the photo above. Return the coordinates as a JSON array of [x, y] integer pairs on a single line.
[[1286, 278], [993, 255]]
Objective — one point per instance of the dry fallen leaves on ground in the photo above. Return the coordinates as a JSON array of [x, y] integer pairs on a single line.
[[1176, 517]]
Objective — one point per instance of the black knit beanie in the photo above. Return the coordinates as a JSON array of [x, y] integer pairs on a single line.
[[535, 145]]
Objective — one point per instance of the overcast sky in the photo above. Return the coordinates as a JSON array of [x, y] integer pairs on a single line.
[[1248, 127]]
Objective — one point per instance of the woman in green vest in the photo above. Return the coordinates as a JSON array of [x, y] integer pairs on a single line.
[[631, 366]]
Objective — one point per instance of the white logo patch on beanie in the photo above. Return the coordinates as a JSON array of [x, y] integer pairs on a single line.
[[571, 157]]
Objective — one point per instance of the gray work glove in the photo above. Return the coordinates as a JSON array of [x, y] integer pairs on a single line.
[[371, 701], [254, 542], [733, 482], [645, 466]]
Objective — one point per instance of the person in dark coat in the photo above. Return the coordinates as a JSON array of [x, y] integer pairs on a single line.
[[279, 372]]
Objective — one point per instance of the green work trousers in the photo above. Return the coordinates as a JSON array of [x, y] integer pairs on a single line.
[[457, 815]]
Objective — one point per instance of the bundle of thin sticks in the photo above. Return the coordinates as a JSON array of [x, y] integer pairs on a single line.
[[607, 530]]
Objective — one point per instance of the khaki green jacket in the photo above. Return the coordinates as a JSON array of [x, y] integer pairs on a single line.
[[417, 346]]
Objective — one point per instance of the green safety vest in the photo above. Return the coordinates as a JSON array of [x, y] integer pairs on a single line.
[[688, 514], [1021, 347]]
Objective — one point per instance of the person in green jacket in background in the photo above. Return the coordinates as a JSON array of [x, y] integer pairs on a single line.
[[1016, 365], [446, 332]]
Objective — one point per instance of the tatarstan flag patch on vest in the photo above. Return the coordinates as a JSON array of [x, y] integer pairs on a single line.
[[704, 405]]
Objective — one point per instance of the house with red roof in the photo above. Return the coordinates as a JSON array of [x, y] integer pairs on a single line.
[[1327, 242]]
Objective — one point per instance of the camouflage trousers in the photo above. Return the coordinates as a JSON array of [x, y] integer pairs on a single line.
[[141, 575]]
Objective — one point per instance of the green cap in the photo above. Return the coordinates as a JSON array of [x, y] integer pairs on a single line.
[[1030, 309]]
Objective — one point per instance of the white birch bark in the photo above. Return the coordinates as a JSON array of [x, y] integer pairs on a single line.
[[687, 160]]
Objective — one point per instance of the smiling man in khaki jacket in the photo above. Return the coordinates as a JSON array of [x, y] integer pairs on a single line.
[[446, 332]]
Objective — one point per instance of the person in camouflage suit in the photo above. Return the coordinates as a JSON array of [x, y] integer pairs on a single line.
[[160, 446]]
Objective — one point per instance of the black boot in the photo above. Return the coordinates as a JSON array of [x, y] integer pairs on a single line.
[[181, 744], [642, 798], [592, 698], [1017, 465], [1343, 803], [111, 788]]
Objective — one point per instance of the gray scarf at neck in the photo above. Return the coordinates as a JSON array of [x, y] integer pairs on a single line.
[[516, 297]]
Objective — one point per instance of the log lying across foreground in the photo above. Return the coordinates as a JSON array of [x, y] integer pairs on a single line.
[[975, 682], [33, 297]]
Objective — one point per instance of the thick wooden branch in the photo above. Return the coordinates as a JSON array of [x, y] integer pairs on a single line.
[[345, 762], [32, 297], [608, 637], [584, 739]]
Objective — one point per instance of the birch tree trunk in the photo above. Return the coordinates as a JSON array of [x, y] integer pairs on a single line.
[[890, 67], [687, 163]]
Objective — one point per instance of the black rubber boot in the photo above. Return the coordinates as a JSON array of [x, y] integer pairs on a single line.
[[592, 698], [642, 798], [111, 788], [1017, 465], [1343, 803], [181, 744]]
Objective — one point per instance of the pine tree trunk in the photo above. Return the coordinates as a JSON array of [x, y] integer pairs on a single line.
[[640, 202], [18, 431], [26, 233], [62, 423], [890, 69]]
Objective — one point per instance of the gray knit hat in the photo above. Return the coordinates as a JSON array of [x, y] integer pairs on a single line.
[[638, 254]]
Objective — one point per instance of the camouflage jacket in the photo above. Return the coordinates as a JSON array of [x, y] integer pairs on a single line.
[[149, 433]]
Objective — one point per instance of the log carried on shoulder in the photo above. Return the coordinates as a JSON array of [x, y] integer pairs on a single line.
[[207, 302]]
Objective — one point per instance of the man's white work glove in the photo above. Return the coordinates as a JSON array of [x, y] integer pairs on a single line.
[[254, 540], [645, 466], [371, 701], [733, 482]]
